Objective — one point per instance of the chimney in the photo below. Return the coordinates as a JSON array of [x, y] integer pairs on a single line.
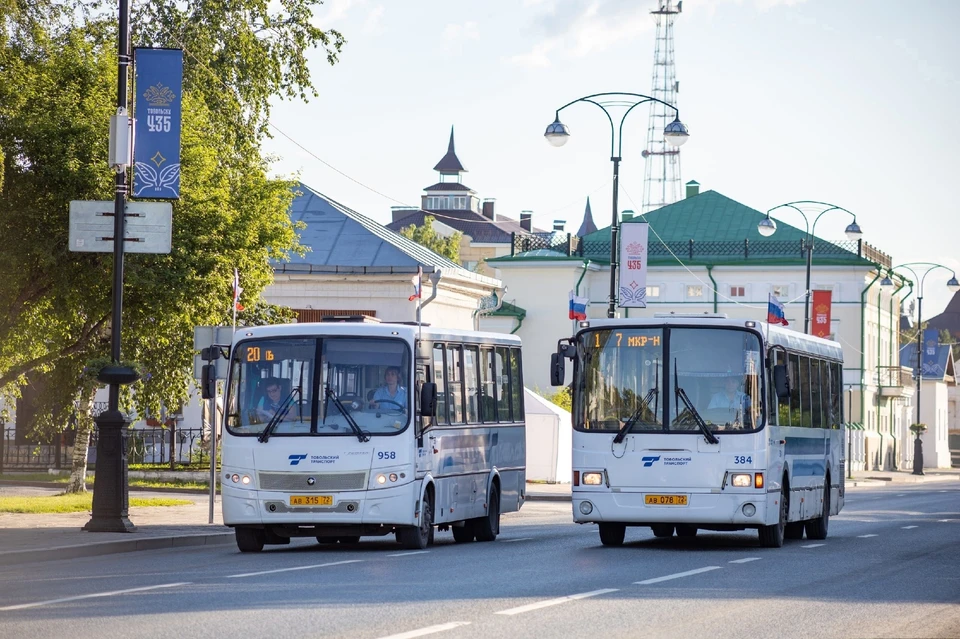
[[627, 215], [693, 188], [488, 209], [558, 225], [526, 221]]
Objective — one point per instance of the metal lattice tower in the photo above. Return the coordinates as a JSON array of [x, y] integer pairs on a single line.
[[661, 183]]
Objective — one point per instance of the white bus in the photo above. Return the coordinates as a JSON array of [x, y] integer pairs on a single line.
[[338, 430], [702, 422]]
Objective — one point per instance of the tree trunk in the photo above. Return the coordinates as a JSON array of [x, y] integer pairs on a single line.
[[78, 471]]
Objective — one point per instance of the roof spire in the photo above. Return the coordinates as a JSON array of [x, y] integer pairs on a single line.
[[450, 164], [587, 226]]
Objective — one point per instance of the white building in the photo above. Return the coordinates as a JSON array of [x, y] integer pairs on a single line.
[[706, 255]]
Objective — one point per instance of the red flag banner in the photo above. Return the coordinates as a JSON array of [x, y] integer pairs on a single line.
[[821, 314]]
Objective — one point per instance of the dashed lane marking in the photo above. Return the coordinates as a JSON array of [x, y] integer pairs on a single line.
[[865, 536], [553, 602], [407, 554], [311, 567], [678, 575], [507, 541], [94, 595], [745, 560], [429, 630], [909, 527], [813, 545]]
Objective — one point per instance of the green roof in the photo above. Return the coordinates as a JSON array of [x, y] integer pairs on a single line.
[[710, 228], [509, 310]]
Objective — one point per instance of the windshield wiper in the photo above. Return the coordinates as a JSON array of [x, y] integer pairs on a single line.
[[682, 394], [278, 416], [354, 426], [652, 394]]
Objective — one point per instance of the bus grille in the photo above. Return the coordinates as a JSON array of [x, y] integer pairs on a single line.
[[323, 482]]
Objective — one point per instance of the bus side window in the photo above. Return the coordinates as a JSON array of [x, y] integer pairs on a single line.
[[441, 387]]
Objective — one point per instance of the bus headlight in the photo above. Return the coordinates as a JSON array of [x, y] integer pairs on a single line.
[[592, 479], [586, 507], [749, 510], [381, 479], [741, 480]]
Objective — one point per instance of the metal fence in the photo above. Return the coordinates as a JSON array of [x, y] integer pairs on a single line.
[[717, 251], [150, 446]]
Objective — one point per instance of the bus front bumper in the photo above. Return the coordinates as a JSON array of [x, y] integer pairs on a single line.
[[384, 506], [736, 509]]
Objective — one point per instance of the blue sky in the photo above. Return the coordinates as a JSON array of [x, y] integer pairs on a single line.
[[851, 102]]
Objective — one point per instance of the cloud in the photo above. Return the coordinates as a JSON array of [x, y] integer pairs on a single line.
[[577, 29], [459, 32], [336, 10], [374, 21]]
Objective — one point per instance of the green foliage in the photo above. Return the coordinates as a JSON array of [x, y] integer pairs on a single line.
[[58, 76], [918, 429], [561, 398], [426, 236]]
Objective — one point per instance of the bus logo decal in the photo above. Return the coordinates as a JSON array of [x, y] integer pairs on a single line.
[[296, 459], [648, 461]]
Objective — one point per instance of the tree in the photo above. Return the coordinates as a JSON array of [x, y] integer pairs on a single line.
[[58, 71], [428, 237]]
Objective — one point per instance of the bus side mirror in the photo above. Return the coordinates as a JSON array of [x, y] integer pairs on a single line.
[[781, 381], [428, 399], [556, 369], [208, 383]]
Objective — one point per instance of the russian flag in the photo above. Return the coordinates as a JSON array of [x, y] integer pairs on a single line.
[[417, 284], [237, 290], [775, 314], [578, 307]]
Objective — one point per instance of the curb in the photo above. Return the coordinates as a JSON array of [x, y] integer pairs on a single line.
[[95, 549], [547, 497]]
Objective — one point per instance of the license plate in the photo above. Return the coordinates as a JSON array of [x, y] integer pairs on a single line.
[[311, 500], [665, 500]]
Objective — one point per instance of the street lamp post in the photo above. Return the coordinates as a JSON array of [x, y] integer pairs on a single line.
[[768, 227], [953, 286], [558, 133]]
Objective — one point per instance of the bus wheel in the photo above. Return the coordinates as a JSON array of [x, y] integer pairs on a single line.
[[662, 530], [487, 528], [463, 534], [612, 534], [686, 531], [249, 539], [817, 528], [772, 536], [419, 537]]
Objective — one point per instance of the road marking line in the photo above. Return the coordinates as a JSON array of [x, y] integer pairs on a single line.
[[944, 520], [744, 560], [507, 541], [901, 495], [813, 545], [94, 595], [407, 554], [554, 602], [271, 572], [656, 580], [429, 630], [865, 536], [909, 527]]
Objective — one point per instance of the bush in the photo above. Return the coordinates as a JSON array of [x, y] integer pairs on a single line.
[[918, 429]]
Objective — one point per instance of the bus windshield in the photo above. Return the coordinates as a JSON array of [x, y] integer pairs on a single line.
[[631, 376], [329, 386]]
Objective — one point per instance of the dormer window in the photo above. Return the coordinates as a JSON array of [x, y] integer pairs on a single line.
[[447, 202]]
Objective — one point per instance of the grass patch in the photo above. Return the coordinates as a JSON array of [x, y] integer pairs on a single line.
[[60, 479], [170, 483], [75, 503]]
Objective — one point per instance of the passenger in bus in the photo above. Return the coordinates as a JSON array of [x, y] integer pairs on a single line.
[[392, 394], [730, 397]]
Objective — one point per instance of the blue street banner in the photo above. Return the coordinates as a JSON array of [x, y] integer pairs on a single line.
[[158, 104], [931, 353]]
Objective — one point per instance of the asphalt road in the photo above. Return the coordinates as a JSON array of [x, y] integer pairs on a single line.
[[890, 568]]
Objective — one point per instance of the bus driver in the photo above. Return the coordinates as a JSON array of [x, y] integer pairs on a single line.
[[391, 393]]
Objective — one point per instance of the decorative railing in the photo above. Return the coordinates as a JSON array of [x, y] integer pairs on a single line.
[[694, 250], [151, 446]]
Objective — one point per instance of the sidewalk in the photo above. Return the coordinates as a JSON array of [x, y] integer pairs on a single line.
[[29, 538]]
